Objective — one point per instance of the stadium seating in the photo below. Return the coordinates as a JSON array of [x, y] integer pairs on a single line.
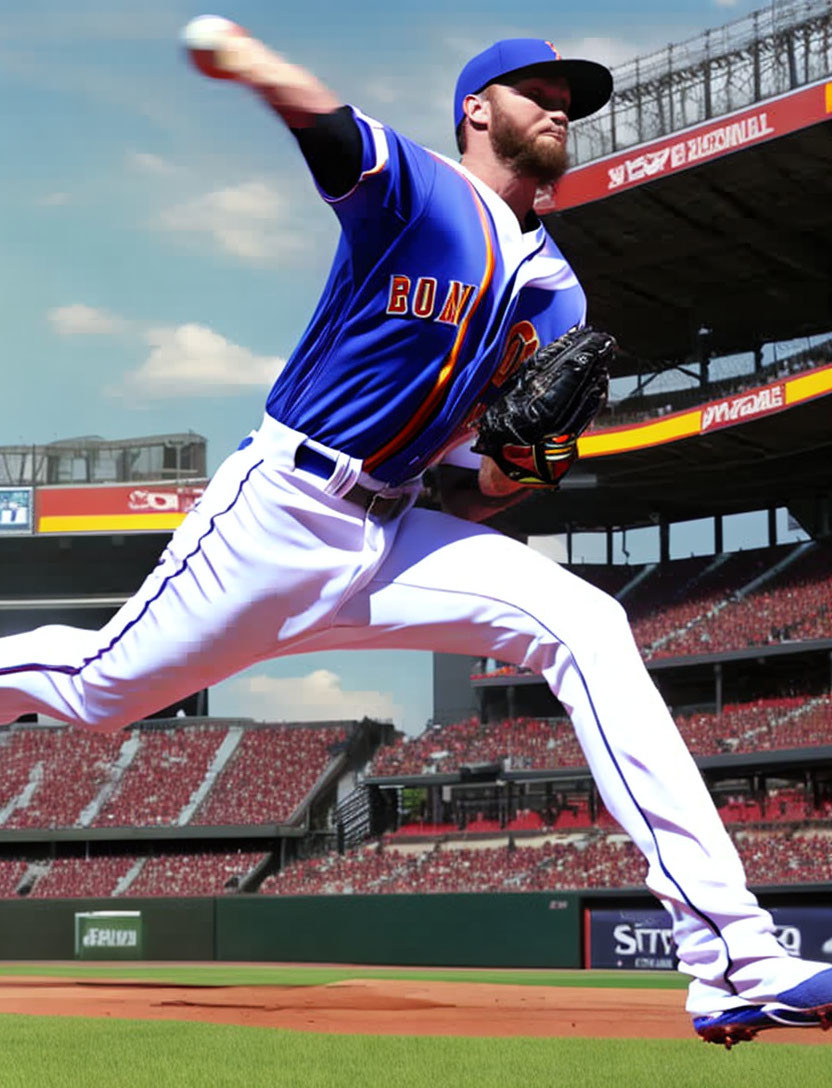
[[693, 606], [54, 774], [772, 855], [12, 872], [178, 874], [75, 877], [269, 775], [168, 767], [520, 744], [194, 873], [542, 743], [454, 868], [792, 605], [49, 777]]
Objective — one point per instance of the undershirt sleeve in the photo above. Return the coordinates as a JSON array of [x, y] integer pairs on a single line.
[[333, 149]]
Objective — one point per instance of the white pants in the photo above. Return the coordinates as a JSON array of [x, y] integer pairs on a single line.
[[273, 562]]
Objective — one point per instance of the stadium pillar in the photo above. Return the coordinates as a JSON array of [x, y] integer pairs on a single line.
[[664, 541], [772, 526], [609, 545], [756, 55], [719, 546], [790, 53], [718, 687]]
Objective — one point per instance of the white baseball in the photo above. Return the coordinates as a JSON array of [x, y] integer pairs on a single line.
[[208, 32]]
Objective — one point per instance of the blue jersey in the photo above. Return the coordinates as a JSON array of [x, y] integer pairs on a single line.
[[435, 297]]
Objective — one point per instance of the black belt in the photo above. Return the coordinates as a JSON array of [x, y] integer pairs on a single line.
[[380, 506]]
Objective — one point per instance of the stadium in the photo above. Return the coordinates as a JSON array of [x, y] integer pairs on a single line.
[[696, 212]]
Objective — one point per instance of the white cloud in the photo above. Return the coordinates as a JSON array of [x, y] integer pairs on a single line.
[[80, 320], [725, 3], [318, 696], [248, 220], [195, 360], [145, 162]]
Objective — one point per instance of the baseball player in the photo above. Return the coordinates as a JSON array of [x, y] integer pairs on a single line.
[[443, 284]]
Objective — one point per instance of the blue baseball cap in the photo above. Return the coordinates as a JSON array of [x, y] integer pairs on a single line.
[[590, 83]]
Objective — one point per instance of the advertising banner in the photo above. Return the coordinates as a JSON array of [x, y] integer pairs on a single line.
[[108, 935], [756, 402], [641, 940], [681, 150], [16, 510], [114, 508], [766, 400]]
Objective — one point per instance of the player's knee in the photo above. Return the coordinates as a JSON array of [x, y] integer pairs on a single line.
[[604, 619]]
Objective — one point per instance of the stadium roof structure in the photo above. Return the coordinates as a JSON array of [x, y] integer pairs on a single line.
[[697, 216], [701, 196]]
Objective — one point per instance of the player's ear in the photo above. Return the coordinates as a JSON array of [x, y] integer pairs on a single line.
[[477, 109]]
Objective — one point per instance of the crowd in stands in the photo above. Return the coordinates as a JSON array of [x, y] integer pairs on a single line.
[[52, 774], [194, 874], [447, 867], [700, 605], [180, 874], [168, 767], [156, 777], [786, 857], [593, 860], [66, 878], [780, 723], [269, 775], [519, 744], [12, 872], [543, 743], [793, 605], [785, 848]]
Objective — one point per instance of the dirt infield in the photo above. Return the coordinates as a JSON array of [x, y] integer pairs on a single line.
[[376, 1006]]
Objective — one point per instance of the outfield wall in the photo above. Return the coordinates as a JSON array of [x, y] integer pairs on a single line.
[[44, 929], [534, 929], [517, 930]]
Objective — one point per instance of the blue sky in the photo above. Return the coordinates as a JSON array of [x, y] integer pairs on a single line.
[[162, 246]]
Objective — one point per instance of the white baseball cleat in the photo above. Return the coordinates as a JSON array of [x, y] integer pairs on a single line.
[[210, 40]]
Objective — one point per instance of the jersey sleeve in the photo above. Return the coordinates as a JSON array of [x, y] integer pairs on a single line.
[[395, 182]]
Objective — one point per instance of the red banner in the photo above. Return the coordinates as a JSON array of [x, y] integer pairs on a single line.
[[690, 147], [114, 508]]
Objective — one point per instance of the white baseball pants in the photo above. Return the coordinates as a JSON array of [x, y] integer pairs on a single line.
[[273, 562]]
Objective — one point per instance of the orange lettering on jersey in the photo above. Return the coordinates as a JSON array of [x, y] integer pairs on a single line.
[[521, 343], [455, 302], [424, 296], [399, 291]]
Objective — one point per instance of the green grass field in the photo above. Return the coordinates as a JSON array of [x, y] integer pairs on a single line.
[[269, 974], [65, 1052]]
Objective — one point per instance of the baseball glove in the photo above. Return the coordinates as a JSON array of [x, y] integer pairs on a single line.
[[531, 430]]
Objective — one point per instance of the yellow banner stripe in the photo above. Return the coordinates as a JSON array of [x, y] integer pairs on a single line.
[[828, 97], [107, 523], [602, 443], [814, 384]]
